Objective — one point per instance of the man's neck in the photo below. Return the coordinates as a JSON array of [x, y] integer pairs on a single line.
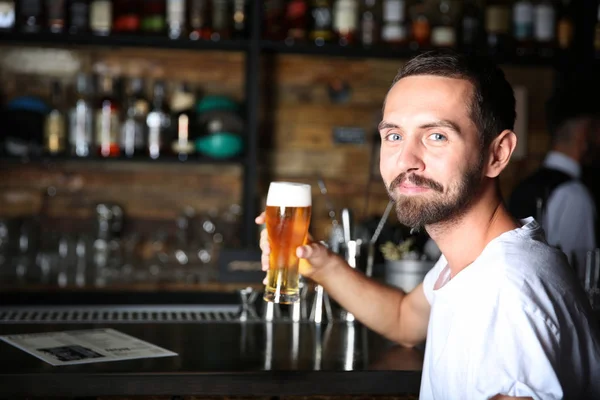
[[463, 240]]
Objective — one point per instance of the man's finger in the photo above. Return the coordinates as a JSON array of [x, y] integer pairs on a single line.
[[260, 219]]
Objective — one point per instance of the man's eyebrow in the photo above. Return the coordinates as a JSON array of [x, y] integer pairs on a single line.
[[442, 123], [386, 125]]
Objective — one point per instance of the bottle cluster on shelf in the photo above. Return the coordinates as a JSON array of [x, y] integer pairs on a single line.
[[520, 27], [111, 117], [502, 27], [177, 19]]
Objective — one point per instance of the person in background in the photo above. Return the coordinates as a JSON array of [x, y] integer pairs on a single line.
[[501, 313], [555, 193]]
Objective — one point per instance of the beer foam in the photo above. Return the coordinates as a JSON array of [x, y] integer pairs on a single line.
[[289, 194]]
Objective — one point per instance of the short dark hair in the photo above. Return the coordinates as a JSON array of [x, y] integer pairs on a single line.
[[492, 106]]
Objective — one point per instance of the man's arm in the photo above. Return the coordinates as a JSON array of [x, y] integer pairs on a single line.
[[399, 316]]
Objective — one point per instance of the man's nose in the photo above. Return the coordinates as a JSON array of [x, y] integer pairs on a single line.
[[410, 157]]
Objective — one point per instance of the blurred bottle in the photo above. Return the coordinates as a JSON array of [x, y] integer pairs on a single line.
[[221, 20], [321, 22], [158, 122], [345, 21], [240, 19], [108, 123], [199, 19], [565, 28], [153, 17], [522, 22], [176, 18], [81, 119], [54, 126], [497, 28], [182, 104], [30, 15], [544, 32], [597, 34], [274, 21], [370, 23], [126, 16], [78, 16], [55, 12], [7, 15], [421, 26], [101, 13], [443, 32], [133, 132], [471, 27]]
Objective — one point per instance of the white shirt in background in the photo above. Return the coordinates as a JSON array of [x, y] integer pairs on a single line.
[[569, 219]]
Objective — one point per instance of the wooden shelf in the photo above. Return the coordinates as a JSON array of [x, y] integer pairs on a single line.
[[382, 52], [118, 40], [170, 159]]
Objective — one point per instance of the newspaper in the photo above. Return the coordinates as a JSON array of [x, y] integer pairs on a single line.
[[85, 346]]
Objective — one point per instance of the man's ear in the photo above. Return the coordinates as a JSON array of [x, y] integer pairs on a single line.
[[499, 153]]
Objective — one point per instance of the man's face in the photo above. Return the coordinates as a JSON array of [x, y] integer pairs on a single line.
[[430, 160]]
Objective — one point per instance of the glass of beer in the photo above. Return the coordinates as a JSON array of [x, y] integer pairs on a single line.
[[288, 217]]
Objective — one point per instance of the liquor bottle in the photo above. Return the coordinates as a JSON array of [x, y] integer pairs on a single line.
[[101, 17], [443, 32], [126, 16], [108, 123], [176, 18], [421, 26], [544, 28], [7, 15], [78, 16], [55, 12], [157, 122], [370, 22], [221, 20], [497, 28], [133, 131], [471, 27], [345, 21], [274, 19], [321, 22], [30, 15], [200, 19], [182, 103], [394, 29], [565, 28], [153, 17], [597, 34], [296, 20], [240, 20], [81, 128], [522, 22], [54, 124]]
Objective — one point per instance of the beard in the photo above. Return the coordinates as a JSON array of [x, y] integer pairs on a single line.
[[446, 204]]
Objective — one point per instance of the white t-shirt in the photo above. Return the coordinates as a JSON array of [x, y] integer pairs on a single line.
[[514, 322]]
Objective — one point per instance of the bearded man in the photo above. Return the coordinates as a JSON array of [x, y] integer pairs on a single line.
[[501, 313]]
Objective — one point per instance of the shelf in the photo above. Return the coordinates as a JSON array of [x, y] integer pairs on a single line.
[[333, 50], [117, 40], [192, 160]]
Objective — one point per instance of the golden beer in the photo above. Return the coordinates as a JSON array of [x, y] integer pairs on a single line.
[[287, 218]]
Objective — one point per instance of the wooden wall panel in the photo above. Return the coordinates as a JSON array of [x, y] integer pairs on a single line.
[[297, 120]]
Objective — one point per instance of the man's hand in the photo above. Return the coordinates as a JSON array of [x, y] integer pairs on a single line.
[[313, 256]]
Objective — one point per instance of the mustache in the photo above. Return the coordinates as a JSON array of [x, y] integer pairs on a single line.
[[416, 180]]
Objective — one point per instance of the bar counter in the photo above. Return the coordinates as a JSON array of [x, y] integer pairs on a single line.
[[256, 358]]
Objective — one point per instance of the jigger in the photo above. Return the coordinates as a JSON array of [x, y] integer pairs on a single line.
[[247, 312]]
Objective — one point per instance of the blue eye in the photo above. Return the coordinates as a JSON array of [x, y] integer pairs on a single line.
[[438, 137], [393, 137]]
